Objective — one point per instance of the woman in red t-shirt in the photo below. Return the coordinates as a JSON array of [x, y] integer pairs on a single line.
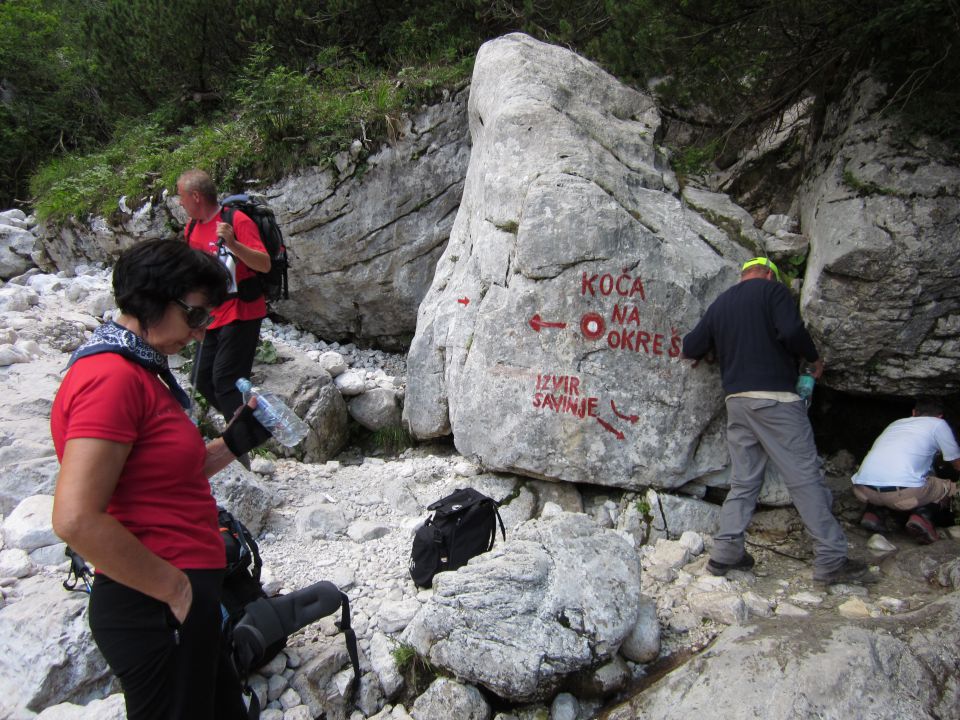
[[133, 495]]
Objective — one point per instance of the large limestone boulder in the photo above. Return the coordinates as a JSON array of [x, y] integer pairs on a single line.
[[47, 655], [883, 217], [797, 668], [549, 342], [560, 595]]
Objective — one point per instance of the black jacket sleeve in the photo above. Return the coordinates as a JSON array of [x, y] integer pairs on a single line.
[[699, 341], [789, 325]]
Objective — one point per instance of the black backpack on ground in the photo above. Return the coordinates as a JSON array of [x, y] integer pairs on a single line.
[[273, 283], [463, 525]]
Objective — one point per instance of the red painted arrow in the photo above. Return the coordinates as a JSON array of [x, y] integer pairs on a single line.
[[610, 428], [538, 323], [632, 419], [464, 301]]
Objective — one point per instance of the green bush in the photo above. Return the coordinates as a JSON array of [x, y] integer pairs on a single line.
[[283, 120]]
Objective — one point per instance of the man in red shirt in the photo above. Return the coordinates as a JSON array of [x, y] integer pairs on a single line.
[[231, 339]]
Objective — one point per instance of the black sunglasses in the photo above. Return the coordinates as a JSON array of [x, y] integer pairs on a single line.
[[197, 317]]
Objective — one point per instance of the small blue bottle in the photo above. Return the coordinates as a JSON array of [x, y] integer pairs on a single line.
[[274, 415], [805, 384]]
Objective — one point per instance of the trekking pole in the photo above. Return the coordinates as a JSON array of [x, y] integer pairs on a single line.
[[194, 371]]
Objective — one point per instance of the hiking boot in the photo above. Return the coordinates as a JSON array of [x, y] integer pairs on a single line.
[[852, 571], [922, 530], [872, 522], [745, 562]]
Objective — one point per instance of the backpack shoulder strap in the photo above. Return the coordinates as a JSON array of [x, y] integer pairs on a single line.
[[350, 639], [227, 214], [503, 532], [190, 226]]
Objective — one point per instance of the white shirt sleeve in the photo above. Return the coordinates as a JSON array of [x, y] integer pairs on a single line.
[[946, 442]]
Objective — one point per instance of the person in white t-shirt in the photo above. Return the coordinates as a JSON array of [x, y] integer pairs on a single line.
[[897, 472]]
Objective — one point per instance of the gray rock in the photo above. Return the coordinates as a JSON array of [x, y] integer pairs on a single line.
[[322, 521], [674, 515], [559, 595], [723, 212], [564, 707], [563, 494], [350, 383], [642, 645], [725, 607], [16, 563], [315, 681], [276, 686], [369, 695], [110, 708], [15, 218], [30, 525], [776, 224], [49, 554], [603, 681], [446, 699], [27, 466], [366, 530], [14, 298], [395, 616], [47, 655], [333, 362], [384, 665], [289, 698], [881, 214], [309, 391], [581, 230], [882, 668], [376, 409], [244, 495], [17, 245]]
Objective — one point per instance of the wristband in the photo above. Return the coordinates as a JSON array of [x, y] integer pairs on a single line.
[[244, 432]]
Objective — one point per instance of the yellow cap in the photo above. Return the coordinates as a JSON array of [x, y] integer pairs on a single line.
[[765, 262]]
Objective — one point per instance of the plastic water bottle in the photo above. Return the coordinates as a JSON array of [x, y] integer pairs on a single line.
[[805, 384], [274, 415]]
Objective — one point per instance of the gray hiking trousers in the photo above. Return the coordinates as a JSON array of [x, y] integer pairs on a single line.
[[758, 430]]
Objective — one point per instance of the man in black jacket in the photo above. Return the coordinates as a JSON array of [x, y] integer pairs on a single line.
[[757, 335]]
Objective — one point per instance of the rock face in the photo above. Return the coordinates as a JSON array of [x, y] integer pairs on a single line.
[[27, 462], [47, 654], [364, 250], [309, 391], [794, 668], [549, 342], [364, 237], [17, 243], [559, 596], [883, 217]]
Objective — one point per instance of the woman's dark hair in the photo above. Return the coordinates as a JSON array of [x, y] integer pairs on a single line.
[[151, 274]]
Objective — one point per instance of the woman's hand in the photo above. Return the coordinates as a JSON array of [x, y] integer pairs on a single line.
[[182, 598], [245, 432]]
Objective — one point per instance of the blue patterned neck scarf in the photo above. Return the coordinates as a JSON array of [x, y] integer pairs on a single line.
[[114, 338]]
